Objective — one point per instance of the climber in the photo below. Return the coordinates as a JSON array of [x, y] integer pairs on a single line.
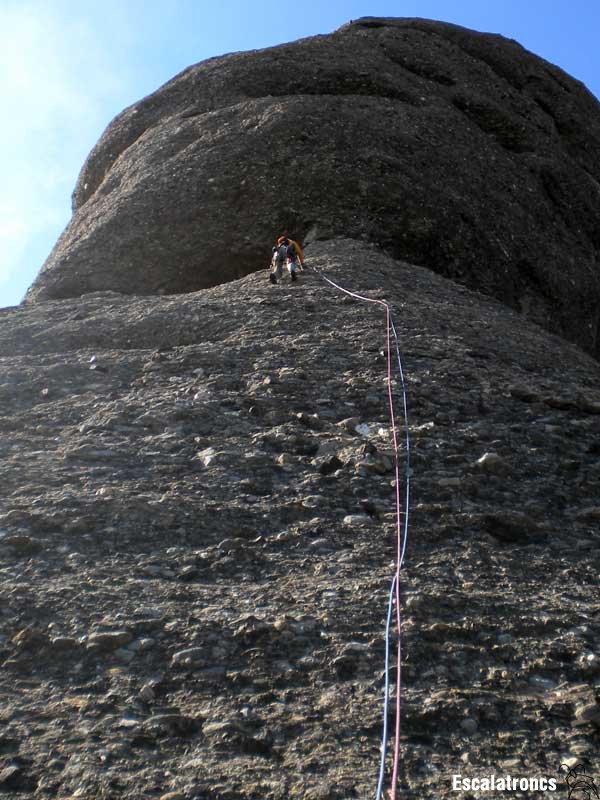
[[288, 252], [293, 248], [278, 259]]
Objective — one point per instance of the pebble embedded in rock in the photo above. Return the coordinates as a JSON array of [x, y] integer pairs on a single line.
[[189, 657], [109, 640], [450, 482], [64, 643], [469, 726], [351, 520], [492, 463], [350, 424], [588, 714], [147, 693]]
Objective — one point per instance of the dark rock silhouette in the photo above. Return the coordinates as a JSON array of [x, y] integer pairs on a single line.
[[452, 149]]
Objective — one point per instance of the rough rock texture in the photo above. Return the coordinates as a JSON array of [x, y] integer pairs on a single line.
[[452, 149], [196, 541]]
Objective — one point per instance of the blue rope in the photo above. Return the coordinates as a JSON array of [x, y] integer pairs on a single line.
[[386, 700]]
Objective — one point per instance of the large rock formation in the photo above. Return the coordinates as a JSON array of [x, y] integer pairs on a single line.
[[196, 540], [452, 149], [197, 532]]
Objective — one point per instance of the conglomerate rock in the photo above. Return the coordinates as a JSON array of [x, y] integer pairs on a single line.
[[452, 149], [197, 536]]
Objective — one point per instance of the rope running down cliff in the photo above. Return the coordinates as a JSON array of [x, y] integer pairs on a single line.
[[402, 538]]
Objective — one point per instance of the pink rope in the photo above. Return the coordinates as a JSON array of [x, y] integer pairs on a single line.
[[396, 761]]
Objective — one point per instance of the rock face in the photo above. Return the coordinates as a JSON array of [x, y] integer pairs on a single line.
[[198, 523], [198, 515], [451, 149]]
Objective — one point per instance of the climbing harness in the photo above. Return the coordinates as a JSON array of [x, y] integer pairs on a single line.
[[284, 256], [402, 538]]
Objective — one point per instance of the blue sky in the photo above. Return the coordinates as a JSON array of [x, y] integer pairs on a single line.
[[67, 67]]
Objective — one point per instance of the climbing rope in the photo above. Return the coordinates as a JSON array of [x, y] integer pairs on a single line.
[[402, 538], [386, 694]]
